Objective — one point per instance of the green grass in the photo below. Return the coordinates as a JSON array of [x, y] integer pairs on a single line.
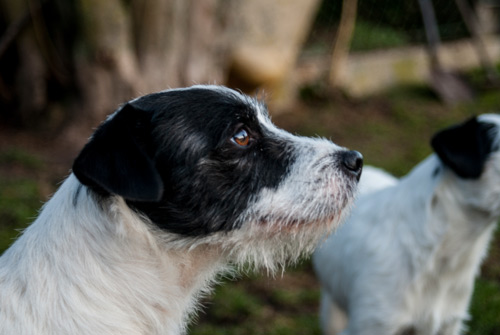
[[262, 305], [485, 308], [19, 193], [368, 36], [19, 201], [19, 157]]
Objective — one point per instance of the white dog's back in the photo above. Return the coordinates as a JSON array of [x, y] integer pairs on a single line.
[[374, 179]]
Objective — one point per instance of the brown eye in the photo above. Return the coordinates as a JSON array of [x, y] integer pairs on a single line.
[[241, 138]]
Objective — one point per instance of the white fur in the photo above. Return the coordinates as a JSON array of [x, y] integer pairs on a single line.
[[86, 273], [408, 256], [375, 179]]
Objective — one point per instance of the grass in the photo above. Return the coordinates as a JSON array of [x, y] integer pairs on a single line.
[[19, 201], [391, 130], [17, 157], [262, 305], [19, 193], [368, 36], [485, 308]]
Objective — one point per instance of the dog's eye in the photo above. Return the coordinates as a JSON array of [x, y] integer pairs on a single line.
[[241, 138]]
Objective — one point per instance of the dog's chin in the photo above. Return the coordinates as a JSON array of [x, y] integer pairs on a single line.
[[274, 243]]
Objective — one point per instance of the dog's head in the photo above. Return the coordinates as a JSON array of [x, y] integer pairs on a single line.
[[206, 163], [471, 151]]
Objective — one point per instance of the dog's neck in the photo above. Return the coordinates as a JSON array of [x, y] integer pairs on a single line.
[[144, 286], [444, 227]]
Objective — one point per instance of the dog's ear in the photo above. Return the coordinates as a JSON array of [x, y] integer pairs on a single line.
[[465, 147], [116, 159]]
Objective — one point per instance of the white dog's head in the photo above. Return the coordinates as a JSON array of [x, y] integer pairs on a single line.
[[206, 165], [471, 158]]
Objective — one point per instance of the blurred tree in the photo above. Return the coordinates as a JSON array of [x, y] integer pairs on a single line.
[[87, 56], [343, 39]]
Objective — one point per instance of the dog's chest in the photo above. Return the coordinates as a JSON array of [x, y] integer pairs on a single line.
[[439, 294]]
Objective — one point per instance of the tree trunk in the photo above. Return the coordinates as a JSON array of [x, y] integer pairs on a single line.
[[180, 42], [29, 81], [116, 50], [343, 39], [106, 69]]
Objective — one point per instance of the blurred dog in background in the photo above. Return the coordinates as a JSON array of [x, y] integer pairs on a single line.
[[406, 260]]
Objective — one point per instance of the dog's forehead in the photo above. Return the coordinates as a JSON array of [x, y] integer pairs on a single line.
[[211, 110], [492, 121], [203, 103]]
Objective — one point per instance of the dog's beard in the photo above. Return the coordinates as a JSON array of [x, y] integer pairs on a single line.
[[276, 246], [278, 231]]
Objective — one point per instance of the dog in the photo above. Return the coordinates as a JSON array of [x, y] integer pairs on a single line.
[[171, 190], [406, 260]]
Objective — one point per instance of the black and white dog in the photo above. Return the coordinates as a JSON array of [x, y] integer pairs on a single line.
[[406, 260], [172, 188]]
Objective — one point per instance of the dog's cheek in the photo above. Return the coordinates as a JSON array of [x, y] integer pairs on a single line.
[[217, 192], [238, 180]]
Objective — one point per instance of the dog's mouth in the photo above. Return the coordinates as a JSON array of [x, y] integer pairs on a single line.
[[326, 206], [286, 223], [289, 224]]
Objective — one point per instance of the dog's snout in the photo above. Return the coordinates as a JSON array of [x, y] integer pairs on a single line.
[[352, 161]]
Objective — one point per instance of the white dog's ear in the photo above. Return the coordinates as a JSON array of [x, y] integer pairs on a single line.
[[117, 159], [465, 147]]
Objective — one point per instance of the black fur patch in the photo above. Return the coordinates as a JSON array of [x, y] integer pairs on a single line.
[[117, 159], [465, 147], [180, 141]]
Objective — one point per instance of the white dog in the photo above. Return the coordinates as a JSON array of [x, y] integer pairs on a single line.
[[406, 260], [169, 190]]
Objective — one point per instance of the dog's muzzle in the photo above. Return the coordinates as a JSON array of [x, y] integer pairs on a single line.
[[352, 162]]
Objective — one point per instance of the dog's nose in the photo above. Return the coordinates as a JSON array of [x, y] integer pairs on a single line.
[[352, 161]]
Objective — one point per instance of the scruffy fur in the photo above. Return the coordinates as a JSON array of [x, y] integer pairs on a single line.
[[406, 260], [171, 190]]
